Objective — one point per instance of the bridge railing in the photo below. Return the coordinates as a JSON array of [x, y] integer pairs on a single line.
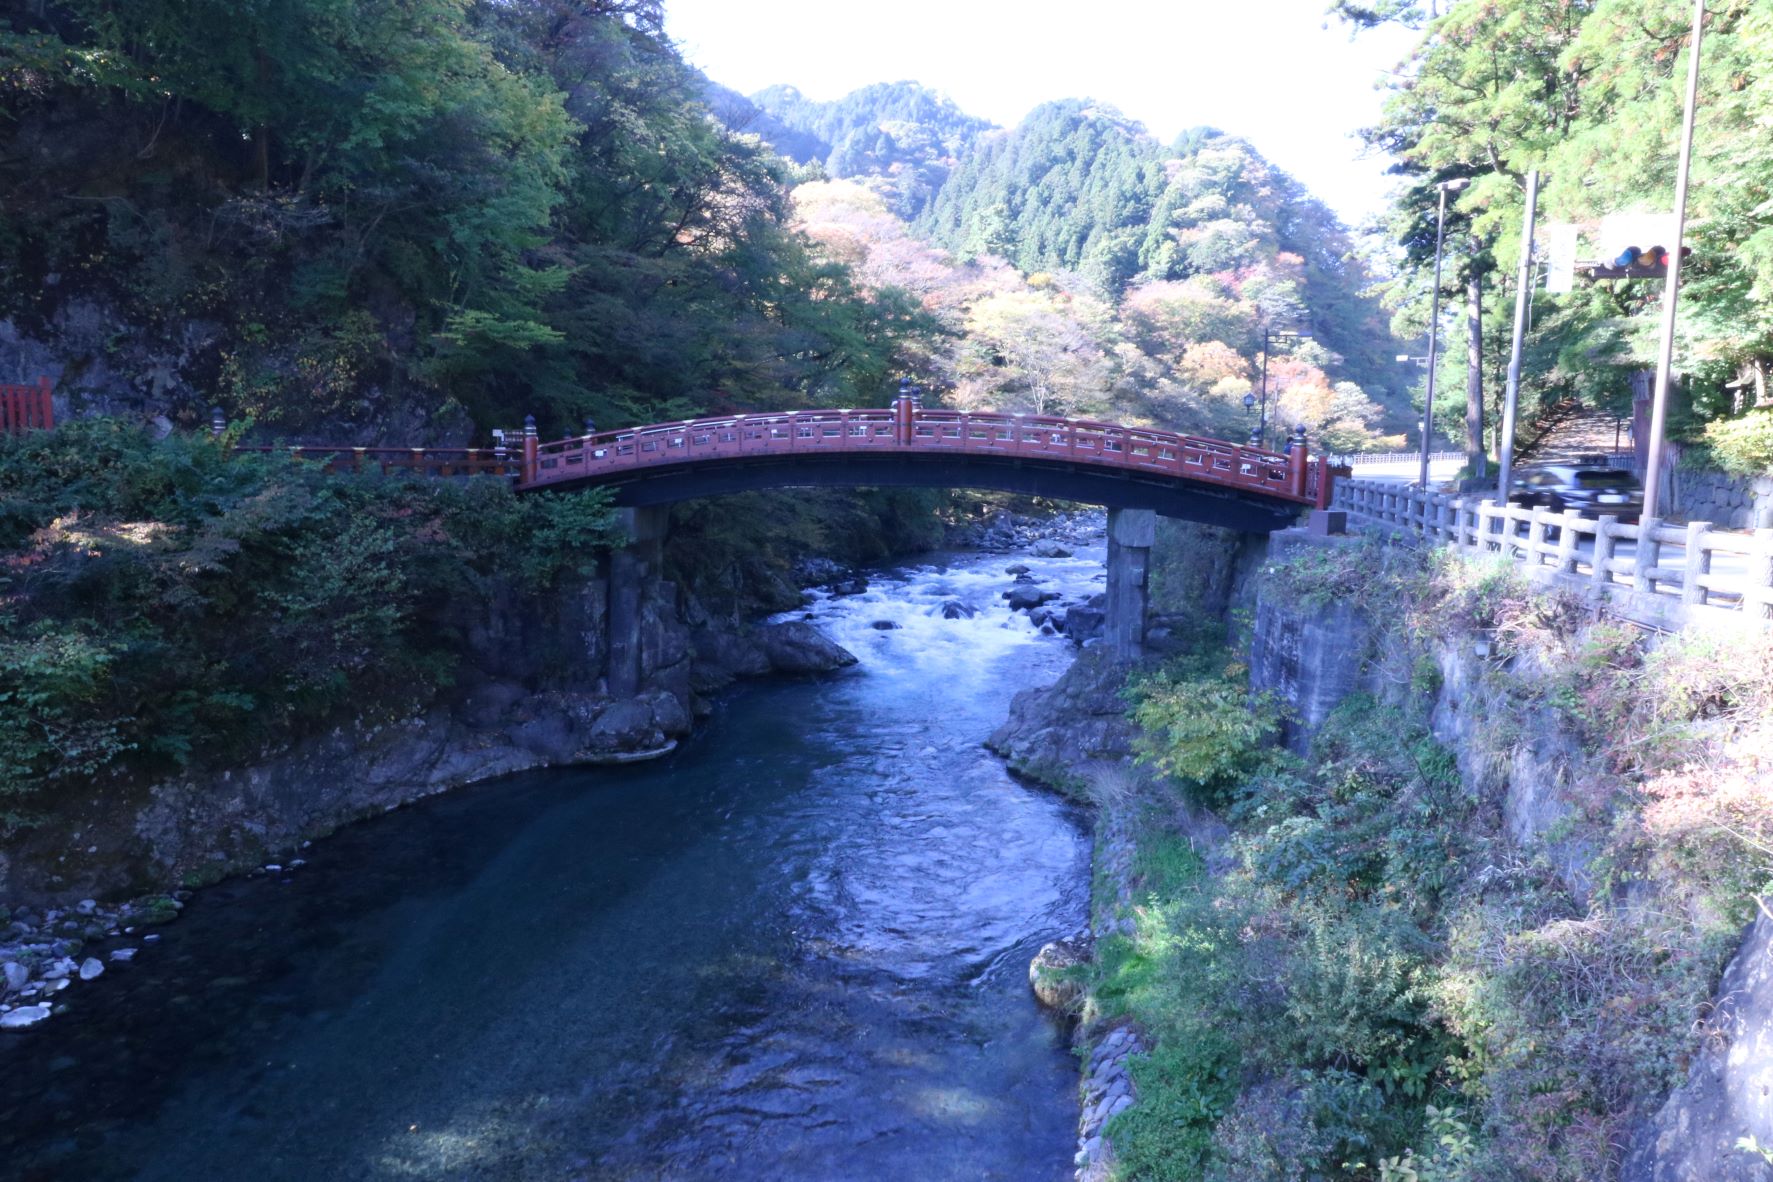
[[1693, 562], [26, 408], [608, 453]]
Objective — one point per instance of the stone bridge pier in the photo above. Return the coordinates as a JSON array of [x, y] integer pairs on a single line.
[[630, 567], [1131, 533]]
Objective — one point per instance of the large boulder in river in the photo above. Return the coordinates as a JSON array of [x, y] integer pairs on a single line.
[[799, 647], [1028, 598], [1056, 975]]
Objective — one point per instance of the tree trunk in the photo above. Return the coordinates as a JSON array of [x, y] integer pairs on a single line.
[[1474, 375]]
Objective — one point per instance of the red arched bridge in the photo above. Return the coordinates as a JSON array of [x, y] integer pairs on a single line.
[[1121, 467]]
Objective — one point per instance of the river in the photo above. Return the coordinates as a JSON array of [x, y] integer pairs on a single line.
[[796, 949]]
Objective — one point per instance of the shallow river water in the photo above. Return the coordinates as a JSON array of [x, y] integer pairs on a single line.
[[796, 950]]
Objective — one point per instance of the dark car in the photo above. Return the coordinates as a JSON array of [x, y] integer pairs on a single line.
[[1592, 492]]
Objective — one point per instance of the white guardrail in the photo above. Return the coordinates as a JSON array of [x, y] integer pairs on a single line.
[[1694, 562], [1394, 459]]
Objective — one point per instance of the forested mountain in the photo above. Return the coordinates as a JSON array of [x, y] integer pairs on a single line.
[[1079, 187], [347, 222], [903, 135], [1591, 94]]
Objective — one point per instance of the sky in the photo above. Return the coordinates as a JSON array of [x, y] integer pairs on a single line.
[[1278, 72]]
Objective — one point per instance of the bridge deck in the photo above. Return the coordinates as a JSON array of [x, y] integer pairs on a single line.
[[611, 456]]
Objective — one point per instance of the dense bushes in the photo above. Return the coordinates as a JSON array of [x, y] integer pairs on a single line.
[[165, 602], [1379, 982], [1741, 447]]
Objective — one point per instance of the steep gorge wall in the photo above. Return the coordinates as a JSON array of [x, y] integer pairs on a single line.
[[533, 690], [1516, 750]]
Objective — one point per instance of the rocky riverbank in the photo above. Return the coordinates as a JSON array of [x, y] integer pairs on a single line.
[[150, 843]]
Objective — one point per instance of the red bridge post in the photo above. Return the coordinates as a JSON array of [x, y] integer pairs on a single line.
[[531, 448], [1298, 463], [904, 411]]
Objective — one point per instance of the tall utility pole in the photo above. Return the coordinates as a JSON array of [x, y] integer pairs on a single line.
[[1434, 321], [1475, 455], [1523, 287], [1671, 294]]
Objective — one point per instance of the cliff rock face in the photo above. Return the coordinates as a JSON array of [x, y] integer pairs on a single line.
[[1515, 750], [1729, 1090], [532, 692], [1056, 733]]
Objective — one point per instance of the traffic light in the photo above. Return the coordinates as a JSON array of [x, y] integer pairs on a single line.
[[1635, 262], [1631, 246]]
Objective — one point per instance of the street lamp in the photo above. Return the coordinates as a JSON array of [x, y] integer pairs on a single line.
[[1285, 336], [1434, 316]]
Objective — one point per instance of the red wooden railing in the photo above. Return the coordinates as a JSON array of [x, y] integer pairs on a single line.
[[928, 432], [26, 408]]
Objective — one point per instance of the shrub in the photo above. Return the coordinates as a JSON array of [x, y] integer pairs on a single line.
[[1741, 447], [1206, 731]]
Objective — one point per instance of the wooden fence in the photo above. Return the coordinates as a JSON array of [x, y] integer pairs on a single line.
[[26, 408], [1693, 562]]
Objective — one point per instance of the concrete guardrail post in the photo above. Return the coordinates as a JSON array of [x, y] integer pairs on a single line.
[[1649, 553], [1567, 539], [1698, 564], [1605, 533]]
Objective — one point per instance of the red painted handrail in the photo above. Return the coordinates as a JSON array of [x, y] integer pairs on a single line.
[[26, 408], [932, 432]]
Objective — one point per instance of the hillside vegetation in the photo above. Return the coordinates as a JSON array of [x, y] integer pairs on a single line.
[[428, 217], [1403, 961]]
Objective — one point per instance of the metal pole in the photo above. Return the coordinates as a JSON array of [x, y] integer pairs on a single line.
[[1434, 324], [1262, 423], [1522, 286], [1671, 293]]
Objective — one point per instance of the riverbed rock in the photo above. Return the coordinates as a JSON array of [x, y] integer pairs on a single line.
[[885, 625], [954, 609], [16, 975], [799, 647], [855, 585], [1028, 598], [723, 655], [91, 967], [1051, 550], [1056, 734], [622, 726], [24, 1016], [1055, 975]]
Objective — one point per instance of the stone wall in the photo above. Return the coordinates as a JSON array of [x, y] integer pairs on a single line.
[[1733, 502]]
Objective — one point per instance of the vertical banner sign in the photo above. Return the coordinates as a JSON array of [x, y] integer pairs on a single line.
[[1560, 258]]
